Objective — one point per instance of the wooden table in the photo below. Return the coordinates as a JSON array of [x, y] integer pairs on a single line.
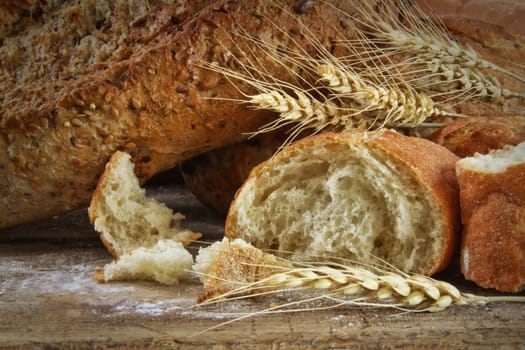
[[49, 300]]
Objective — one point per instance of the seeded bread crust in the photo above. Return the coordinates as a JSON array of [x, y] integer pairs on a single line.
[[149, 99]]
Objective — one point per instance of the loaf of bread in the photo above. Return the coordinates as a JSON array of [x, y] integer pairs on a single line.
[[97, 77], [492, 195], [354, 195], [467, 136]]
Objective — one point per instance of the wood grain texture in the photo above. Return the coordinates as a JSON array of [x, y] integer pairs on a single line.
[[49, 300]]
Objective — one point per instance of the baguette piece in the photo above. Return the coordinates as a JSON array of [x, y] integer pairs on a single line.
[[350, 195], [125, 217], [493, 213], [147, 95]]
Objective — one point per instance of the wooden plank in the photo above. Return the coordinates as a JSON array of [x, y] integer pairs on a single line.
[[48, 299]]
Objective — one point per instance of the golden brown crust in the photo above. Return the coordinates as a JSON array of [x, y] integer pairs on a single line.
[[507, 14], [434, 167], [97, 199], [468, 136], [493, 241], [152, 103]]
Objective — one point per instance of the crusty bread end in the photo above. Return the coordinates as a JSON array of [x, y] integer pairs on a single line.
[[225, 265], [493, 213]]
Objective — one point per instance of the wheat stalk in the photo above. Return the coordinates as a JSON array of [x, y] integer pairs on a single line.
[[368, 88], [346, 282], [233, 270], [336, 96], [441, 64]]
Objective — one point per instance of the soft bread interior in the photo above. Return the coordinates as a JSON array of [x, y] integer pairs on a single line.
[[126, 218], [340, 199], [496, 161], [166, 262]]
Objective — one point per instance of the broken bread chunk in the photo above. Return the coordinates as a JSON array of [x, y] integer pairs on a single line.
[[125, 217], [492, 196], [229, 264], [355, 195], [166, 262]]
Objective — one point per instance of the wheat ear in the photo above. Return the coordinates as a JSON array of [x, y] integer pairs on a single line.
[[441, 63], [394, 105], [355, 283]]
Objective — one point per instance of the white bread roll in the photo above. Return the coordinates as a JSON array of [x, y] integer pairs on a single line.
[[492, 196], [351, 195]]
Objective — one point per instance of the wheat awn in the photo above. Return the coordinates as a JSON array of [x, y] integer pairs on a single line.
[[441, 63]]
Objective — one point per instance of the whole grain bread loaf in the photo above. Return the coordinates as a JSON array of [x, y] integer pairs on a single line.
[[353, 195], [90, 78]]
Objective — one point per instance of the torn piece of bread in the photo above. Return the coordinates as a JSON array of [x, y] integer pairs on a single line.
[[165, 262], [125, 217], [229, 264], [351, 195], [492, 196]]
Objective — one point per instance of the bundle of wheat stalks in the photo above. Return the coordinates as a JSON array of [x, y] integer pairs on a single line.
[[398, 69]]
